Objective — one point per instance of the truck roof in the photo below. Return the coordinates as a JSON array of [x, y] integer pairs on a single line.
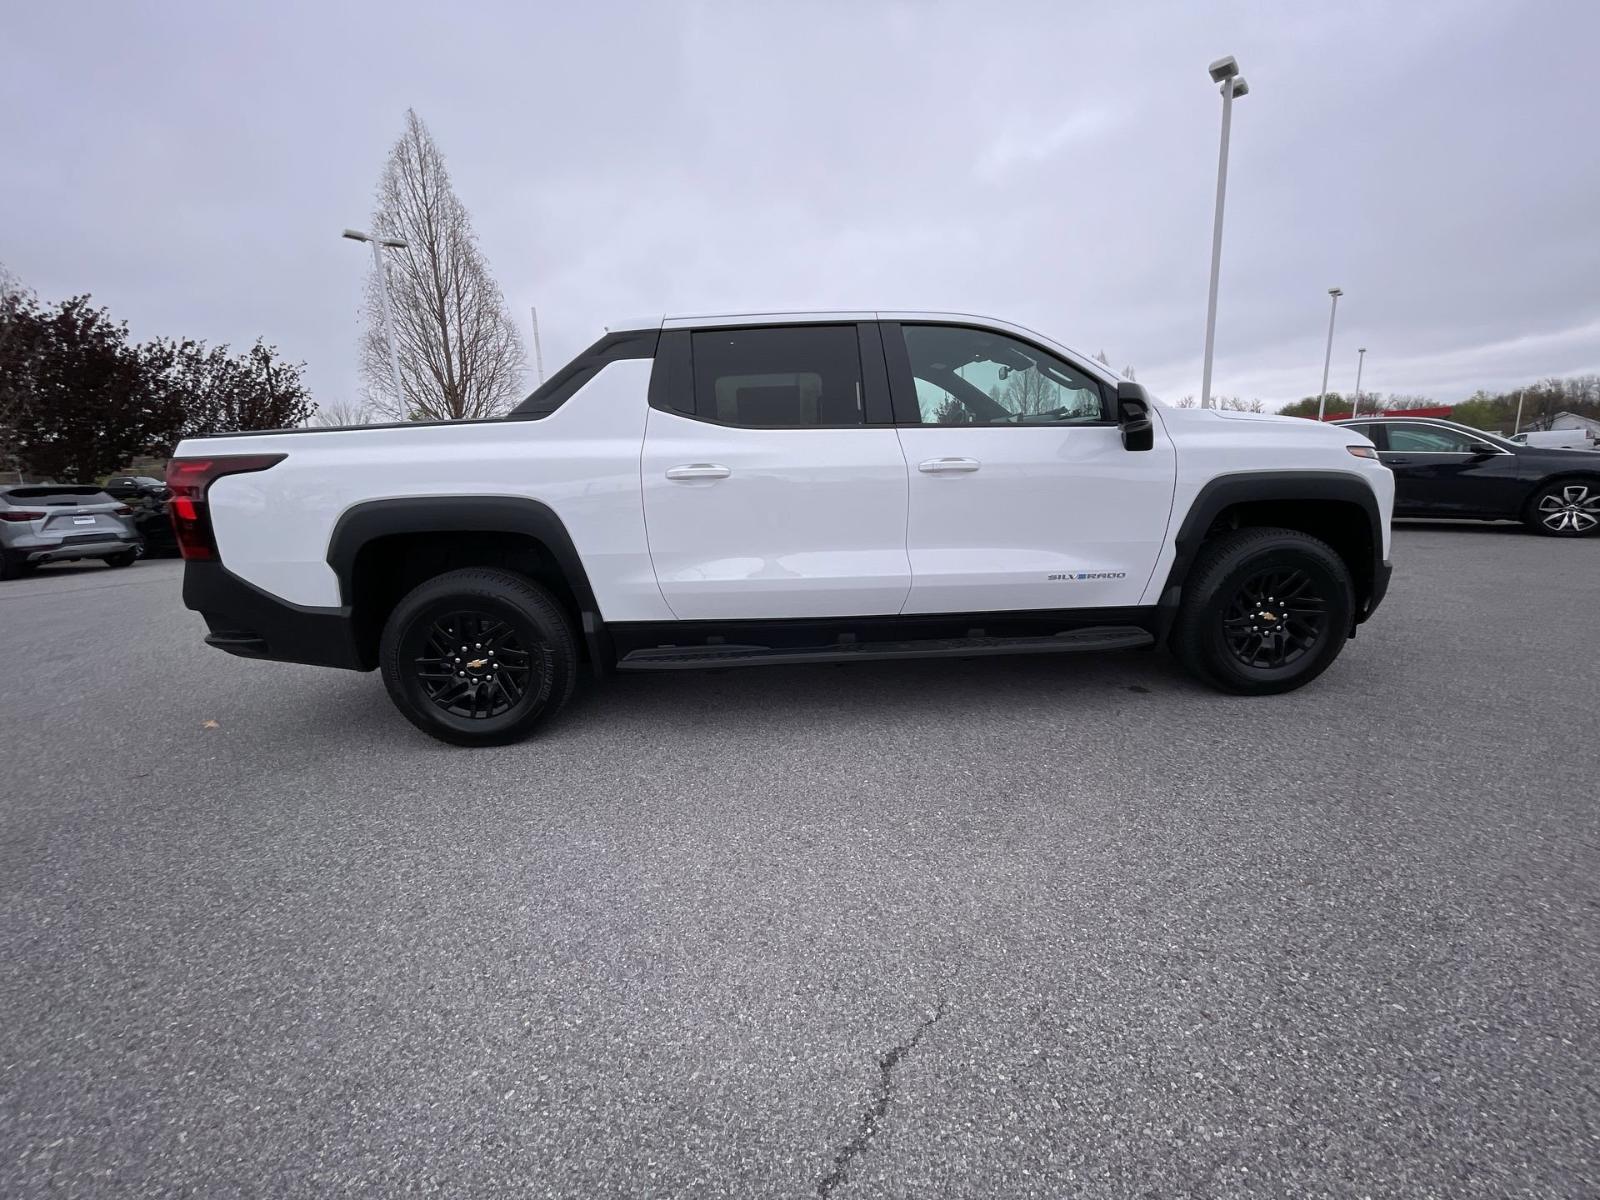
[[702, 320]]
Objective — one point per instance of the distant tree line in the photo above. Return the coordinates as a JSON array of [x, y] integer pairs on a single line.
[[79, 398], [1234, 403], [1540, 403], [1339, 405]]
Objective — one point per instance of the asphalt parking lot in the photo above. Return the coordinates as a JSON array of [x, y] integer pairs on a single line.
[[1043, 928]]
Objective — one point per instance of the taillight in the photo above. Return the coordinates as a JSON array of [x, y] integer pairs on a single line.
[[19, 515], [189, 478], [122, 510]]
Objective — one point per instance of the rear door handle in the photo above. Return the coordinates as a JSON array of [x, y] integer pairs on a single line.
[[698, 471], [948, 466]]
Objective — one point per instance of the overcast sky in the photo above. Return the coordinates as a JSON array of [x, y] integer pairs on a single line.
[[192, 166]]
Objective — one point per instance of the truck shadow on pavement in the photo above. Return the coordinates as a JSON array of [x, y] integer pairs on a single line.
[[818, 698]]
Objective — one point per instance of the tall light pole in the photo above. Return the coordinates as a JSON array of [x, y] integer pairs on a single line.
[[1518, 427], [1361, 361], [1322, 399], [378, 244], [1226, 72], [538, 352]]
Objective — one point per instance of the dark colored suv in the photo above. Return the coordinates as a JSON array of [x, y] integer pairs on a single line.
[[149, 498], [1442, 469], [42, 523]]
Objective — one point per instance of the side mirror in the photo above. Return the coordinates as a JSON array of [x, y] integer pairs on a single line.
[[1480, 450], [1133, 416]]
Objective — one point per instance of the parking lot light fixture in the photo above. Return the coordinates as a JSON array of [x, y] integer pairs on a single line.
[[1224, 71], [379, 244], [1327, 361]]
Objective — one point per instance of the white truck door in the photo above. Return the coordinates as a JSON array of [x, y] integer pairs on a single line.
[[1022, 495], [767, 495]]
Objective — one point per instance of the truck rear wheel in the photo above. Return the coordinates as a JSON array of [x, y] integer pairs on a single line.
[[478, 657], [1264, 611]]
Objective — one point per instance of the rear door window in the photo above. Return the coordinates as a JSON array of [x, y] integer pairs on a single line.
[[779, 377]]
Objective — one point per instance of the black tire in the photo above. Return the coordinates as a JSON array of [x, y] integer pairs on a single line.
[[1567, 508], [490, 700], [126, 559], [14, 566], [1263, 611]]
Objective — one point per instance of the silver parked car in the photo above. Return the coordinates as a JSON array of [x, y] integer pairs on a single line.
[[42, 523]]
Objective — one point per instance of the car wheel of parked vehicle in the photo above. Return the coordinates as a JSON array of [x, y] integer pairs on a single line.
[[126, 559], [1264, 611], [1565, 508], [13, 566], [478, 657]]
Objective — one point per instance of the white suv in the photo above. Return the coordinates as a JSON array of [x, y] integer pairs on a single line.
[[785, 488]]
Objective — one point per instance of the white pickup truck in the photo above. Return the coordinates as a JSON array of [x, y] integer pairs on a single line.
[[784, 488]]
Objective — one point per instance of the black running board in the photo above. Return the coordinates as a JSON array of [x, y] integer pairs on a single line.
[[691, 658]]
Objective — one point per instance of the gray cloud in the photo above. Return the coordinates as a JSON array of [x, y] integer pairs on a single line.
[[192, 167]]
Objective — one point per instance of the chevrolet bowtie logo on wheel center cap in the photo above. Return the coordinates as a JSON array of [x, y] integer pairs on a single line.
[[477, 663], [1265, 616]]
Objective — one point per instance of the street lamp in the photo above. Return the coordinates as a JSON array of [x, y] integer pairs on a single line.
[[1361, 361], [1322, 399], [378, 244], [1226, 72]]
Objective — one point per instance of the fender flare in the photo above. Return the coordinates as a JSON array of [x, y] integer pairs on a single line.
[[361, 524], [1245, 487]]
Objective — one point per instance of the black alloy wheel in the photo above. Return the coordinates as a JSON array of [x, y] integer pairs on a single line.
[[473, 665], [1276, 618], [478, 657], [1263, 610]]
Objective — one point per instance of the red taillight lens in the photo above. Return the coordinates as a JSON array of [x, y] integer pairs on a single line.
[[19, 515], [188, 478], [122, 510]]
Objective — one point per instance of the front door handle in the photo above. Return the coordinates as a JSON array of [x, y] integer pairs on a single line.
[[948, 466], [698, 471]]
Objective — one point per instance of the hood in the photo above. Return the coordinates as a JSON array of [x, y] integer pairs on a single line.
[[1228, 414], [1201, 417]]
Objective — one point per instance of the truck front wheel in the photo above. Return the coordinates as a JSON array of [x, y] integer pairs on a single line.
[[478, 657], [1263, 611]]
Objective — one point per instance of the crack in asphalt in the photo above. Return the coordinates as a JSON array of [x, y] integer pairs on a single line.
[[874, 1113]]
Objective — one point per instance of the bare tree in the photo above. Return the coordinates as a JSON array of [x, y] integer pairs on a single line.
[[347, 410], [1184, 401], [460, 352], [1029, 393], [1240, 404]]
